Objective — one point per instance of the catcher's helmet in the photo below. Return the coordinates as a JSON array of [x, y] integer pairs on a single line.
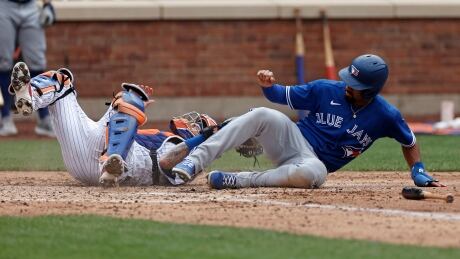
[[367, 73]]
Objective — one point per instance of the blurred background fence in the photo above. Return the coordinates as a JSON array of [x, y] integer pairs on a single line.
[[203, 55]]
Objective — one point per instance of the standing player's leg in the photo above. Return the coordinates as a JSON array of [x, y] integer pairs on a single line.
[[7, 42], [31, 39]]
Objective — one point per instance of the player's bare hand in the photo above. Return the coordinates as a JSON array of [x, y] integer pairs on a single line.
[[265, 78]]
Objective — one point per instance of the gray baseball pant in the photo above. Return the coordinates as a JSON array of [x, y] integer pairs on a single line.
[[21, 22], [296, 163]]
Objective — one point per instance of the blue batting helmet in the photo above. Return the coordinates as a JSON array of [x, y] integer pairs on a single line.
[[367, 73]]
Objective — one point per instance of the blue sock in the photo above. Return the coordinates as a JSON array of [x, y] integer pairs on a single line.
[[194, 142], [43, 112], [4, 83]]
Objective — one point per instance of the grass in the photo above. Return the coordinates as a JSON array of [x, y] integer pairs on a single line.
[[439, 153], [31, 155], [103, 237]]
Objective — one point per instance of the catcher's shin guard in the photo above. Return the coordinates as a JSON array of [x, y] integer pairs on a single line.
[[122, 127]]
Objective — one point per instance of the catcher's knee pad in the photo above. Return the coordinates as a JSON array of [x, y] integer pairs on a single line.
[[122, 126], [59, 82]]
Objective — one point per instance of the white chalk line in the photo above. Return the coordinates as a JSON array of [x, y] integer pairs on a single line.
[[178, 198]]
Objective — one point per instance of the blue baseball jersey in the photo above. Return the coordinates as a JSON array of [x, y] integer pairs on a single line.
[[337, 131]]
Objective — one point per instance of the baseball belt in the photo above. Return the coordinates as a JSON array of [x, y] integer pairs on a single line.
[[155, 170]]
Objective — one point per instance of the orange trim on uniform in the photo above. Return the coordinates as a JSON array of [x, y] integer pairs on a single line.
[[60, 78], [169, 134], [116, 97], [154, 132], [103, 158], [132, 110], [48, 89], [180, 123], [106, 136], [148, 131]]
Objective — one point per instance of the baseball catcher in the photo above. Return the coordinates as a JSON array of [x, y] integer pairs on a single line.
[[111, 151], [344, 119]]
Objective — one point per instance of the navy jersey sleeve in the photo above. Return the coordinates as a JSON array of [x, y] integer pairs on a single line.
[[399, 130], [299, 97]]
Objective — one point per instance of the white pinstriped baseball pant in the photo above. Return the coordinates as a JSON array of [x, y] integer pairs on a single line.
[[82, 142]]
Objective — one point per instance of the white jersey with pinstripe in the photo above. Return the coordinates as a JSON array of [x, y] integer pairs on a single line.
[[82, 142]]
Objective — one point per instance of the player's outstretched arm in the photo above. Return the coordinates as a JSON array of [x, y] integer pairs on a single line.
[[418, 173]]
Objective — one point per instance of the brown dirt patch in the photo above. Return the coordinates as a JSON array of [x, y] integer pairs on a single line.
[[351, 205]]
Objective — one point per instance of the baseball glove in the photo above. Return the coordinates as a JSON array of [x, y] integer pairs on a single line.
[[250, 148]]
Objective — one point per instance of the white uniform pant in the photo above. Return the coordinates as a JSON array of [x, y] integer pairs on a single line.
[[82, 141], [296, 163]]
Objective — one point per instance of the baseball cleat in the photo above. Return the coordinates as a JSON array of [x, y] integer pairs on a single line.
[[45, 128], [222, 180], [7, 127], [20, 87], [185, 170], [112, 168]]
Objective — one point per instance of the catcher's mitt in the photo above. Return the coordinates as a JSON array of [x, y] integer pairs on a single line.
[[250, 148]]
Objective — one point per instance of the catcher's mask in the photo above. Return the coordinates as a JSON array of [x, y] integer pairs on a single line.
[[190, 124]]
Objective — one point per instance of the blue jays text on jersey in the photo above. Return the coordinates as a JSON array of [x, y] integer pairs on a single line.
[[337, 131]]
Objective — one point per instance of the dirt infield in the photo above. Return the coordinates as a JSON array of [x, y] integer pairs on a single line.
[[364, 206]]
